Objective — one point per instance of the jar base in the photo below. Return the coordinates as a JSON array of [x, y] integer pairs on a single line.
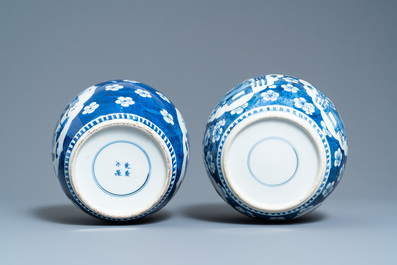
[[273, 161], [120, 169]]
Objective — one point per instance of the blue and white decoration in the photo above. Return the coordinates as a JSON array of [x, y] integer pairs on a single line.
[[272, 103], [113, 178]]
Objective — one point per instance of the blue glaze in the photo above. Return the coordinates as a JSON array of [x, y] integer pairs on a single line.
[[121, 99], [277, 93]]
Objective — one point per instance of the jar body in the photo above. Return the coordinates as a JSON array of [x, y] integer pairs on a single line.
[[275, 147], [120, 150]]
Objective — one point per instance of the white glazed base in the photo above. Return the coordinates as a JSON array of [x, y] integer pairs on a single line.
[[273, 162], [120, 169]]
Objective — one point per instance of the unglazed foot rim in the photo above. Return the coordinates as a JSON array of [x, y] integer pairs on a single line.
[[273, 161], [120, 169]]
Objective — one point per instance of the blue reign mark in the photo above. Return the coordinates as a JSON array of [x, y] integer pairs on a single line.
[[118, 172]]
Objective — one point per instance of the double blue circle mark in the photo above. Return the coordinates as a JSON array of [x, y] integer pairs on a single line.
[[261, 141], [115, 194]]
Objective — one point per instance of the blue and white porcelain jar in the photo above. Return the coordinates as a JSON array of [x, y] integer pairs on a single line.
[[275, 147], [120, 150]]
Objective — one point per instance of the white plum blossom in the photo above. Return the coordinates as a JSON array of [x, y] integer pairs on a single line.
[[308, 108], [338, 157], [270, 95], [290, 80], [299, 102], [210, 162], [162, 96], [240, 109], [143, 93], [125, 101], [325, 129], [167, 117], [114, 87], [90, 108], [218, 130], [302, 104], [328, 189], [290, 88]]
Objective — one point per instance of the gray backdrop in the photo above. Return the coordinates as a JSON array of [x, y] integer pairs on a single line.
[[194, 52]]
